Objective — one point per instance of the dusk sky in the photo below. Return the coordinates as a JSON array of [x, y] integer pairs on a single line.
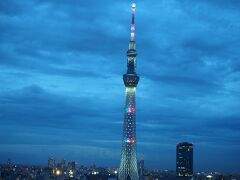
[[62, 93]]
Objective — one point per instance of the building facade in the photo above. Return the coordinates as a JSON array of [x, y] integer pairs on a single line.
[[128, 166], [51, 163], [184, 159], [141, 169], [71, 169]]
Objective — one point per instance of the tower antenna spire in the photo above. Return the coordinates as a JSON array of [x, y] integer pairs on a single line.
[[133, 24]]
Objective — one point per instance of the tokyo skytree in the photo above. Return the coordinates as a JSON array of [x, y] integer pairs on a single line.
[[128, 165]]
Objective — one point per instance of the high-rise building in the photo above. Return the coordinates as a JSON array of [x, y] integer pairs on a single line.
[[51, 163], [141, 169], [62, 165], [184, 159], [71, 169], [128, 166], [9, 164]]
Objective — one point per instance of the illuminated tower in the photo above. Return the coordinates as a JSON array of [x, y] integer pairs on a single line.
[[128, 166]]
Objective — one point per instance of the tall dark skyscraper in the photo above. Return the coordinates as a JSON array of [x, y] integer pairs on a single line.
[[51, 163], [63, 165], [71, 169], [141, 169], [184, 159], [128, 166]]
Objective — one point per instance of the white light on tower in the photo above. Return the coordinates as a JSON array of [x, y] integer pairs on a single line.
[[134, 7]]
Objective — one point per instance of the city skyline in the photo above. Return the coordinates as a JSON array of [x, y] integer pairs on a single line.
[[61, 92]]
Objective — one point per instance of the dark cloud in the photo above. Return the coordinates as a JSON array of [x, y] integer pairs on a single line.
[[10, 8]]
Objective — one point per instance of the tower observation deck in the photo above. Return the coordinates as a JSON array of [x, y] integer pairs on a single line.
[[128, 165]]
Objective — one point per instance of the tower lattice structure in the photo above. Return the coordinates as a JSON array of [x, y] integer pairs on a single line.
[[128, 166]]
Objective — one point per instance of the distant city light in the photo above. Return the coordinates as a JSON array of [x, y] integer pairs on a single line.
[[71, 173], [58, 172], [94, 172], [209, 176]]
